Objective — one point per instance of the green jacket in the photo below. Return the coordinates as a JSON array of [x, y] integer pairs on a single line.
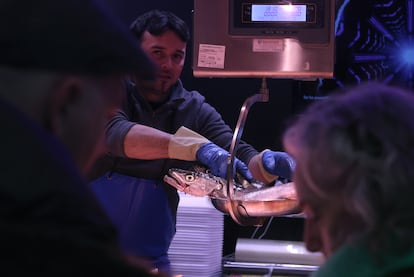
[[356, 261]]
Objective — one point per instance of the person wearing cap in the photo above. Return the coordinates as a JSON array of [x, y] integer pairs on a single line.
[[354, 154], [59, 83], [133, 193]]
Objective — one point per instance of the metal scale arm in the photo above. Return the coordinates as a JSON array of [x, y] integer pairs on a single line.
[[233, 206]]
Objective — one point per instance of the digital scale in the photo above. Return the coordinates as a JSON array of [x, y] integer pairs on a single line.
[[264, 38]]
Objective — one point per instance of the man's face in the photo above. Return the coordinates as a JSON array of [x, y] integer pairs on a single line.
[[168, 52]]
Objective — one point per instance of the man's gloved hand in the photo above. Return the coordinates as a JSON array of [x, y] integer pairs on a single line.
[[216, 159], [188, 145], [184, 144], [276, 164]]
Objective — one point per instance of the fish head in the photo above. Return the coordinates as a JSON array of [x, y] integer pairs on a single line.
[[192, 182]]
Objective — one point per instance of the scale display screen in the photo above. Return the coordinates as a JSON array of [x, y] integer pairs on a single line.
[[306, 20], [278, 13], [274, 17]]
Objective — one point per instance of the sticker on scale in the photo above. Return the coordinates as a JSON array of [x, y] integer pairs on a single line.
[[211, 56], [267, 45]]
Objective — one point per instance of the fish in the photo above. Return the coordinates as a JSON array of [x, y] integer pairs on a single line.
[[195, 183], [281, 191], [200, 182]]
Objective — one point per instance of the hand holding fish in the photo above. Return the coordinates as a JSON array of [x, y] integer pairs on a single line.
[[275, 164], [216, 158]]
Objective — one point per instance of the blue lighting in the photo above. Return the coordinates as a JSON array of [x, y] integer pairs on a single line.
[[339, 17], [407, 55], [375, 41]]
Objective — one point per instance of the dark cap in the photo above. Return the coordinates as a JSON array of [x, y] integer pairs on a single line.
[[74, 36]]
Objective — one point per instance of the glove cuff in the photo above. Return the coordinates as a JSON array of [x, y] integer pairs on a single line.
[[267, 176], [184, 144]]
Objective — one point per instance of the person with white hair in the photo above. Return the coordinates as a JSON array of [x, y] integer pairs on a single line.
[[354, 154]]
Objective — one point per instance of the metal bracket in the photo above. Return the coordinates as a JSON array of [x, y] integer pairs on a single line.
[[235, 208]]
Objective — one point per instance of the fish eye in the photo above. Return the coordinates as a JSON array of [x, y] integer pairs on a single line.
[[189, 177]]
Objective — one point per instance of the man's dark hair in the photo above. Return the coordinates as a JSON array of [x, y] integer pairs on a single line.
[[157, 22]]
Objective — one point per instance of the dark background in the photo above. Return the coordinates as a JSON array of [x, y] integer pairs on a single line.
[[370, 36]]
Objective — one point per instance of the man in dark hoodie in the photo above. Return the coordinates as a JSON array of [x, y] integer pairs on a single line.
[[133, 193]]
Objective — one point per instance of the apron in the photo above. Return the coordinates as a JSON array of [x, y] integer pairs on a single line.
[[140, 210]]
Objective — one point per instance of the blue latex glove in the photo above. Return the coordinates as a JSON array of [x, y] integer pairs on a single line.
[[216, 159], [278, 163]]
